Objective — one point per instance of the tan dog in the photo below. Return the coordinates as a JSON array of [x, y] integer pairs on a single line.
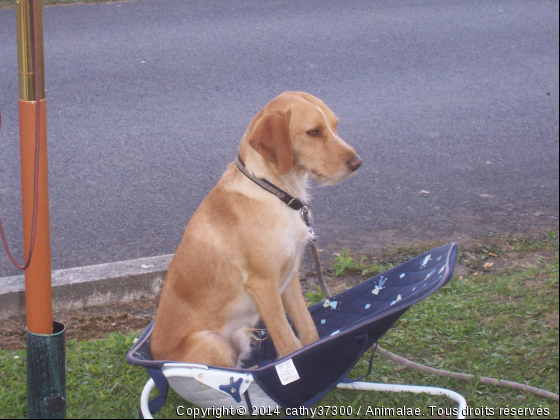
[[241, 251]]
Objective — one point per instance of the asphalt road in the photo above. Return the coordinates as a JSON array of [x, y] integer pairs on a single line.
[[148, 101]]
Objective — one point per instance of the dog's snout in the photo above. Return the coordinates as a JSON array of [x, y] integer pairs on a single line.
[[355, 163]]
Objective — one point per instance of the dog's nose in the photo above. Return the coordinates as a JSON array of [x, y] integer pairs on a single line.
[[355, 163]]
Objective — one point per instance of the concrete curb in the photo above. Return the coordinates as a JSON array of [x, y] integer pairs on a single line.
[[95, 285]]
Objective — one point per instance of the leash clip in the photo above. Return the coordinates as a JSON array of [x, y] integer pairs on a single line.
[[306, 216]]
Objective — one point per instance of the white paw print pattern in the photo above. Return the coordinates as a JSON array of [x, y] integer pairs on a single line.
[[328, 303], [426, 261], [379, 286], [399, 297], [430, 274]]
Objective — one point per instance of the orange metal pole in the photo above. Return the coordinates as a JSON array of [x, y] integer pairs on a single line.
[[46, 348], [38, 294]]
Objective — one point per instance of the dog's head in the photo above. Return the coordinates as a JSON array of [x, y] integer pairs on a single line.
[[298, 131]]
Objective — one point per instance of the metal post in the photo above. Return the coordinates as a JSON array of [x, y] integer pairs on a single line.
[[46, 380], [38, 275]]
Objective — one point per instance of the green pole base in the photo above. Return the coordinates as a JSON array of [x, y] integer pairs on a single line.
[[46, 374]]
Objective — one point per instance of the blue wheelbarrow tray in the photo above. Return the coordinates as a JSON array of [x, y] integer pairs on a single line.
[[348, 324]]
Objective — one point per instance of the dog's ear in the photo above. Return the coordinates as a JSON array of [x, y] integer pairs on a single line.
[[271, 138]]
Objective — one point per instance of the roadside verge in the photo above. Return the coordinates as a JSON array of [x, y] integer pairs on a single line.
[[94, 285]]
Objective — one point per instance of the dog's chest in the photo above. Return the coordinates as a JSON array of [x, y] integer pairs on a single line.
[[294, 240], [295, 232]]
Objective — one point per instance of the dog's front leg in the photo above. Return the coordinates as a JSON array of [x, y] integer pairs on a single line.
[[266, 295], [299, 314]]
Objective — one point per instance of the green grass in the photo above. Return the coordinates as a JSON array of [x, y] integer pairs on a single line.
[[345, 262], [498, 324]]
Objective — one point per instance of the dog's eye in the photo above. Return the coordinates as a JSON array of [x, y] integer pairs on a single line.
[[314, 133]]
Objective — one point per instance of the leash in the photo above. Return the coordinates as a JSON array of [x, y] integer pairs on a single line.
[[27, 261]]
